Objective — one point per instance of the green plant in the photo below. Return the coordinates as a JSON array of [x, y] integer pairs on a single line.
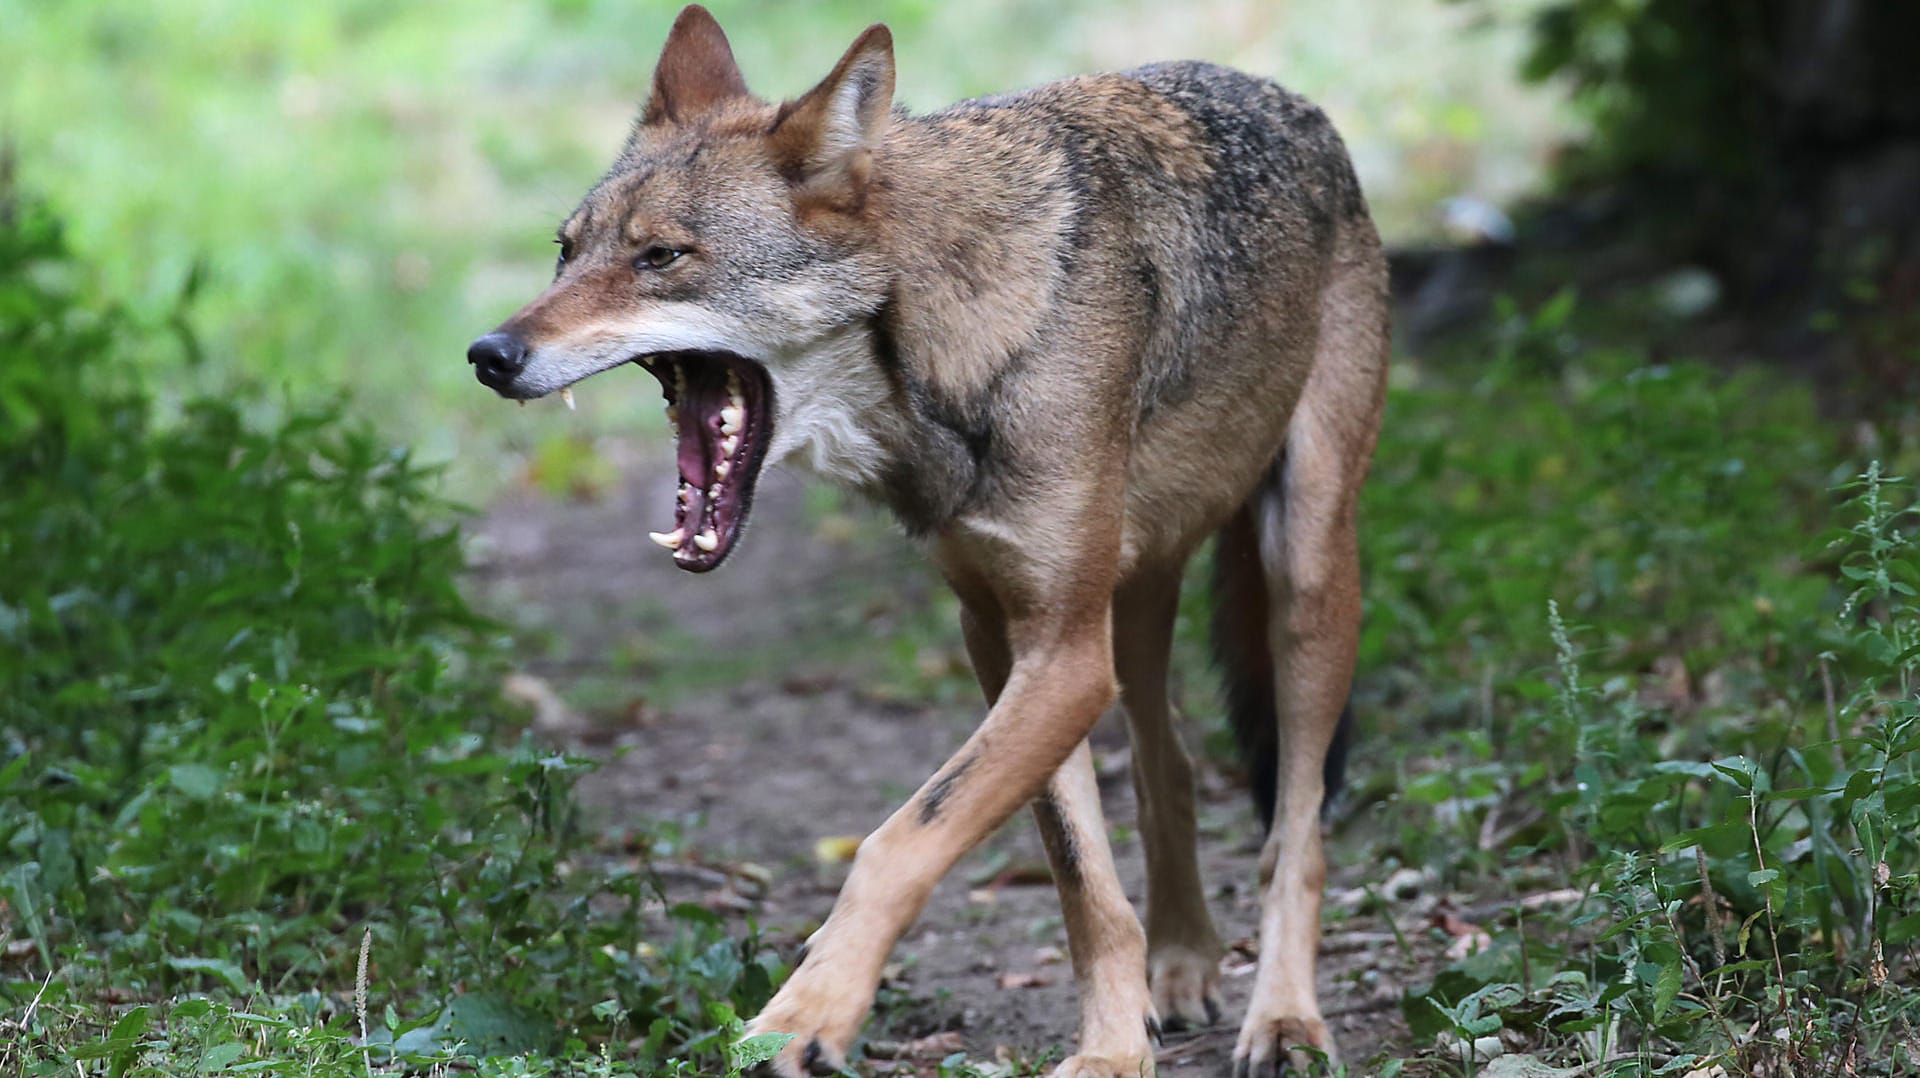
[[255, 784], [1755, 912]]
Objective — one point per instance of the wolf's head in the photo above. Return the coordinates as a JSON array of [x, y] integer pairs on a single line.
[[727, 247]]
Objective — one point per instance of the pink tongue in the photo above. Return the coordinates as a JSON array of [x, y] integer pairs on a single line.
[[701, 399], [699, 427], [696, 453]]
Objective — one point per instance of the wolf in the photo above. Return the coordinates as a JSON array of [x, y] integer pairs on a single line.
[[1066, 335]]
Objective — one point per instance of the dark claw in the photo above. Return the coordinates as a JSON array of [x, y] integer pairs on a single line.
[[1278, 1067], [1178, 1024], [815, 1062], [1153, 1030]]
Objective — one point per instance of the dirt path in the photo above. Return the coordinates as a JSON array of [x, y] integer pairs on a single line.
[[777, 740]]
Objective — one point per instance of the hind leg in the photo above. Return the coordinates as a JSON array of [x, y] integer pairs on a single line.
[[1314, 633], [1310, 555], [1183, 949]]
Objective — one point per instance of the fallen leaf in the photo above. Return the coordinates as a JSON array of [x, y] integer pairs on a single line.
[[836, 849], [932, 1046], [759, 875], [1468, 938], [1024, 874], [726, 900], [1010, 981]]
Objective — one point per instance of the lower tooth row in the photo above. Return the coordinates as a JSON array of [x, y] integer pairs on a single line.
[[708, 540]]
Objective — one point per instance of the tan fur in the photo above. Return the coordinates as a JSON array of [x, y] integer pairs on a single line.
[[1184, 950], [1103, 936], [1086, 326]]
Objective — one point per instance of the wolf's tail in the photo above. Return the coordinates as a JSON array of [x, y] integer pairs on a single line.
[[1244, 652]]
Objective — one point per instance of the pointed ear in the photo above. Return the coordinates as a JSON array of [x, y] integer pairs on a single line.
[[696, 70], [826, 138]]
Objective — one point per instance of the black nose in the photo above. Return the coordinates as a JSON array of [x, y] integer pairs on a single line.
[[497, 358]]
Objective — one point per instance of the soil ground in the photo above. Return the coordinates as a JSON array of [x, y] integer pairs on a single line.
[[747, 706]]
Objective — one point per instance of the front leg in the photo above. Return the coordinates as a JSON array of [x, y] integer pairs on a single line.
[[1061, 680], [1117, 1019]]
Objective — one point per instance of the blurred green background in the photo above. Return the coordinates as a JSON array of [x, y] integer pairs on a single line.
[[358, 187], [1642, 593]]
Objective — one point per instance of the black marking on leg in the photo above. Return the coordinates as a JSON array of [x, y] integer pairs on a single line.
[[1061, 842], [940, 789], [1213, 1010]]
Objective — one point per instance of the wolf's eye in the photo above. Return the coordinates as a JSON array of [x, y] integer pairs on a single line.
[[566, 252], [657, 257]]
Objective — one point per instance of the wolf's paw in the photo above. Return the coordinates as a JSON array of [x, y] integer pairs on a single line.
[[1186, 987], [1105, 1067], [823, 1016], [1284, 1045], [801, 1057]]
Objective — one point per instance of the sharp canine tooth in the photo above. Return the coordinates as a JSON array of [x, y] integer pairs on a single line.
[[567, 395], [707, 540], [671, 540]]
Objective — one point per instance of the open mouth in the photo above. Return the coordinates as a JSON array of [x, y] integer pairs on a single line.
[[720, 407]]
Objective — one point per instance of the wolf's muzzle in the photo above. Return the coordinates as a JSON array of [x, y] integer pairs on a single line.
[[497, 359]]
